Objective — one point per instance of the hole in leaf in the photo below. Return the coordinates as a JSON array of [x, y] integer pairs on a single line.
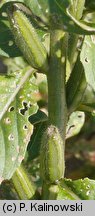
[[11, 109], [7, 120], [11, 137], [86, 60], [25, 108], [79, 116], [29, 105], [25, 127]]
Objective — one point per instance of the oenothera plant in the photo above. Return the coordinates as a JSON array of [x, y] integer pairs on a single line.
[[56, 38]]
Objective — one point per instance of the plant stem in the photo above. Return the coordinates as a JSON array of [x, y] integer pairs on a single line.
[[22, 184], [49, 192], [56, 82]]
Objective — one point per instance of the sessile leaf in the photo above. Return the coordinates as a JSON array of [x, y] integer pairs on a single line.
[[17, 103]]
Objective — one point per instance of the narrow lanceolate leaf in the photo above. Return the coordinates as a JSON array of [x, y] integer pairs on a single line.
[[75, 92], [27, 39], [15, 129], [87, 58]]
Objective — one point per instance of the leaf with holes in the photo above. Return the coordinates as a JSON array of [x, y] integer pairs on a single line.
[[16, 105], [87, 58], [82, 189], [75, 123], [66, 189]]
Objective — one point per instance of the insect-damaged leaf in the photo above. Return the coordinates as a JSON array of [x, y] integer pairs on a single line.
[[75, 123], [82, 189], [15, 129]]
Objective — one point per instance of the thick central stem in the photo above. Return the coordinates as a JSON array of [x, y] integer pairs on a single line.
[[56, 82]]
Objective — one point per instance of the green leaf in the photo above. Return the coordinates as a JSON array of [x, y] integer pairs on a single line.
[[39, 8], [39, 120], [16, 105], [71, 14], [82, 189], [76, 92], [75, 123], [35, 142], [66, 189], [7, 45], [38, 117], [87, 58], [54, 13]]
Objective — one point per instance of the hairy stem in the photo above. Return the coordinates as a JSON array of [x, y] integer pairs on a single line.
[[56, 82]]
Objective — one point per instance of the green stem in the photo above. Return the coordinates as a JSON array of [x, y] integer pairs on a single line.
[[22, 184], [56, 82]]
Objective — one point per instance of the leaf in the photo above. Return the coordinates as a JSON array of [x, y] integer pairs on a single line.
[[66, 189], [87, 58], [7, 45], [75, 123], [39, 8], [54, 12], [82, 189], [35, 142], [39, 120], [71, 14], [76, 86], [15, 129], [38, 117]]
